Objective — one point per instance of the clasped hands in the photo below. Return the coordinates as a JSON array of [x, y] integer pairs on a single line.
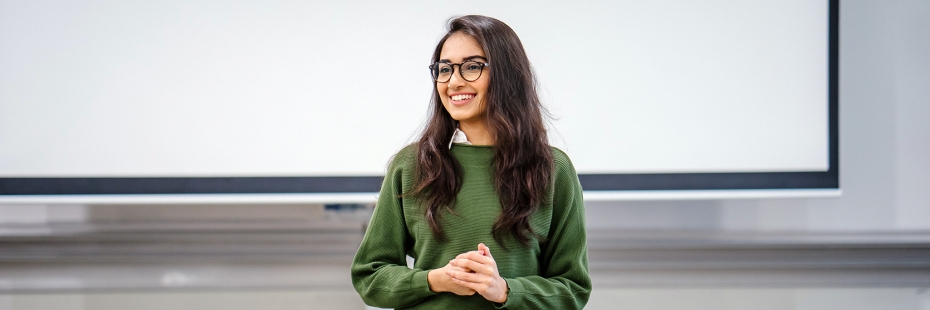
[[470, 273]]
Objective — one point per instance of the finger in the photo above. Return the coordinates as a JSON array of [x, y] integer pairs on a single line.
[[466, 291], [469, 277], [461, 290], [475, 266], [477, 287], [477, 257], [471, 252], [457, 268], [485, 249]]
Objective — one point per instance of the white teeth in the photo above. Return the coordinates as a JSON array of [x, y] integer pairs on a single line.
[[462, 97]]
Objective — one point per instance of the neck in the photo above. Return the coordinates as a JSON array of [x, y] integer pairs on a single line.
[[477, 133]]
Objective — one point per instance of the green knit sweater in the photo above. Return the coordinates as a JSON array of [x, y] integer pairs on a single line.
[[546, 275]]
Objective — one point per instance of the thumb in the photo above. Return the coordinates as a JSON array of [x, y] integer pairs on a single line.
[[485, 249]]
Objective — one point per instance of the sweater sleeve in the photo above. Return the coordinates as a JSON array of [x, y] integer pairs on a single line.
[[564, 283], [379, 270]]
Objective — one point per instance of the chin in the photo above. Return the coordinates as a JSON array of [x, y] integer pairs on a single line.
[[460, 117]]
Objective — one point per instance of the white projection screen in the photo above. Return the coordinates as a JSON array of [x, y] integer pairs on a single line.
[[304, 99]]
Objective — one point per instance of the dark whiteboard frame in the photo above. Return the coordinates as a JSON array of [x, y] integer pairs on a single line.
[[829, 179]]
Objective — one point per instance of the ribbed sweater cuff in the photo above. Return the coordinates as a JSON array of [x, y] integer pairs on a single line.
[[420, 285]]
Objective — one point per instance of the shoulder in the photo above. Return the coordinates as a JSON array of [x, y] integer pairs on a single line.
[[406, 156], [408, 153], [565, 183], [400, 171], [561, 163], [403, 162]]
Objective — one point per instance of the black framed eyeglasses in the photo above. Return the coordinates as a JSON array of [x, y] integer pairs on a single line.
[[469, 70]]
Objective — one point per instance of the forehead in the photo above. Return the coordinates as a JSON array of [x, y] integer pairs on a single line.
[[458, 46]]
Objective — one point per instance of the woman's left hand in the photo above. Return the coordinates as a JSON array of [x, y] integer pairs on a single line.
[[484, 278]]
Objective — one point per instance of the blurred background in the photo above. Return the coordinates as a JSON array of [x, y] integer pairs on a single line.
[[869, 249]]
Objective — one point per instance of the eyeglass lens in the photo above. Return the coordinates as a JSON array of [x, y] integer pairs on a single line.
[[470, 71]]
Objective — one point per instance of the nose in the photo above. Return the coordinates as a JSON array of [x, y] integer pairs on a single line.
[[456, 81]]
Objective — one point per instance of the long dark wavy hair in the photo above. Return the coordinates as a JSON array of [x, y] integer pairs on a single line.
[[514, 115]]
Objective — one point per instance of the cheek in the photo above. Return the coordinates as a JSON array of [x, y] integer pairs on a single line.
[[482, 87], [441, 91], [483, 91]]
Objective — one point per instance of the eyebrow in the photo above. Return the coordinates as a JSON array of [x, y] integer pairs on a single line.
[[466, 58]]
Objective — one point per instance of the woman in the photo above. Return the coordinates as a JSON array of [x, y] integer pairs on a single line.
[[493, 218]]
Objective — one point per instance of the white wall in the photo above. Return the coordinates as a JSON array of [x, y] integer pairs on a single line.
[[884, 141]]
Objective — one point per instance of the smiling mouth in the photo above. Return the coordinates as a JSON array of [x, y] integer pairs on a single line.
[[462, 97]]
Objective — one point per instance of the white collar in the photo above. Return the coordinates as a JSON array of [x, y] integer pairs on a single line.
[[458, 137]]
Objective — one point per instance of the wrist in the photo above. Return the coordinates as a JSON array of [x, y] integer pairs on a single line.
[[506, 290], [432, 282]]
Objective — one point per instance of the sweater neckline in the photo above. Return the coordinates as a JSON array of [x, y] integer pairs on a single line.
[[473, 155]]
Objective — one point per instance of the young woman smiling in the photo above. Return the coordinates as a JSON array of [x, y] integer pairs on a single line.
[[481, 179]]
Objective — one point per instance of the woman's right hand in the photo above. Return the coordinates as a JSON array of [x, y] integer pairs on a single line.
[[439, 281]]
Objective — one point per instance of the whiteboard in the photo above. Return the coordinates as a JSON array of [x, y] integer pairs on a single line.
[[188, 90]]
